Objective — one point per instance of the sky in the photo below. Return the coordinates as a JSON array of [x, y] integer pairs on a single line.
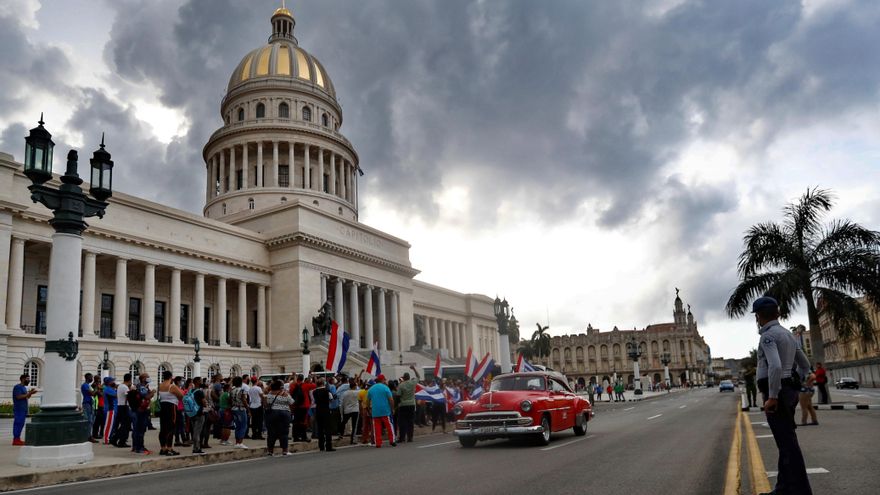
[[582, 159]]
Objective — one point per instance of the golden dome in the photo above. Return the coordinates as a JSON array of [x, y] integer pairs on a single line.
[[282, 11], [282, 59]]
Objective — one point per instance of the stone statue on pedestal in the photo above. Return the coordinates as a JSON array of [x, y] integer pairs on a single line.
[[323, 322]]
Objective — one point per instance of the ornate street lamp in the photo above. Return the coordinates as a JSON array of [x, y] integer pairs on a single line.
[[665, 358], [105, 364], [502, 317], [58, 435], [306, 357], [197, 361], [634, 353]]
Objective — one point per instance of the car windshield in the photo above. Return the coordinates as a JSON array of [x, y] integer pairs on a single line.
[[726, 382], [518, 383]]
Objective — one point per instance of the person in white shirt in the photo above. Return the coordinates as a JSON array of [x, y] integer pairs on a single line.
[[123, 415], [255, 403]]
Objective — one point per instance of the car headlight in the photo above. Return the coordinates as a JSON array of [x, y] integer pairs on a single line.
[[526, 405], [457, 410]]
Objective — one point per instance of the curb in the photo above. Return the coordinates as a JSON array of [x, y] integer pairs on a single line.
[[830, 407]]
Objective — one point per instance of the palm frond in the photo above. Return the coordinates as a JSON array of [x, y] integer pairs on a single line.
[[848, 316], [750, 288], [841, 236], [767, 246], [803, 216]]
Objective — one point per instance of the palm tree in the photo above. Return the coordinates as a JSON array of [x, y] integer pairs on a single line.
[[825, 266], [525, 348], [540, 342]]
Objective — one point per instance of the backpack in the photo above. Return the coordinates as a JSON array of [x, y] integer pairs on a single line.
[[190, 408], [297, 395], [134, 399]]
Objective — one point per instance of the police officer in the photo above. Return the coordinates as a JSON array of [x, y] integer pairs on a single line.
[[777, 354]]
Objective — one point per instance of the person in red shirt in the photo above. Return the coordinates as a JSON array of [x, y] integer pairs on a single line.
[[301, 409], [822, 383]]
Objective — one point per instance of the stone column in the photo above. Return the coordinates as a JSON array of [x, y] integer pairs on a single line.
[[454, 331], [259, 164], [450, 344], [338, 303], [16, 284], [174, 307], [333, 173], [148, 312], [275, 163], [354, 174], [307, 169], [245, 165], [233, 184], [198, 311], [291, 163], [342, 180], [368, 317], [261, 316], [221, 311], [320, 170], [209, 173], [323, 289], [120, 299], [383, 327], [242, 313], [432, 333], [88, 295], [441, 334], [268, 315], [222, 174], [353, 327], [395, 323]]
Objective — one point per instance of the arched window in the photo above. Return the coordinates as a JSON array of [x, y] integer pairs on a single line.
[[161, 369], [284, 199], [240, 114], [214, 369], [187, 372], [250, 203], [32, 369], [110, 367], [284, 111], [307, 114], [325, 121], [224, 208], [135, 369], [261, 111], [255, 371], [235, 370]]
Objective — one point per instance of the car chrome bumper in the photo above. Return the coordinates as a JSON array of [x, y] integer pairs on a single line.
[[498, 431]]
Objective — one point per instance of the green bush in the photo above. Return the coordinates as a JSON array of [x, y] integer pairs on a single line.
[[6, 409]]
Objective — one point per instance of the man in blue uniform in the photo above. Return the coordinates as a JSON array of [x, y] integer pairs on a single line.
[[20, 396], [777, 354]]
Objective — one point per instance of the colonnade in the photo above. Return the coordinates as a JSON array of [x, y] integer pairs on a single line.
[[115, 322], [307, 166], [366, 312], [487, 340], [447, 334]]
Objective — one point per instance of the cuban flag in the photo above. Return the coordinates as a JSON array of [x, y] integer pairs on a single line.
[[476, 392], [438, 368], [430, 393], [337, 351], [523, 365], [373, 366], [450, 399], [482, 368], [470, 363]]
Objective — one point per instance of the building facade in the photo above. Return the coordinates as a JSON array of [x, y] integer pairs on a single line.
[[601, 357], [279, 236], [855, 356]]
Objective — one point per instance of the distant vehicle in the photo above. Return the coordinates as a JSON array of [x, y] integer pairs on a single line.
[[530, 405], [847, 382], [710, 384], [725, 385]]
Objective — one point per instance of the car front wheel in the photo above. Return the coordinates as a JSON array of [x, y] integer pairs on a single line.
[[467, 442], [581, 429], [543, 438]]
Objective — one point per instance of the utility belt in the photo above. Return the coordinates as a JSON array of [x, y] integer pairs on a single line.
[[792, 382]]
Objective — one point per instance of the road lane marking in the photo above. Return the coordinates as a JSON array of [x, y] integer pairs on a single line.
[[764, 436], [567, 443], [757, 471], [436, 444], [682, 407], [860, 395], [762, 423], [656, 416], [733, 480], [629, 408], [771, 474]]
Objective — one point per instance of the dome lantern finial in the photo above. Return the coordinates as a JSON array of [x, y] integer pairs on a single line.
[[282, 24]]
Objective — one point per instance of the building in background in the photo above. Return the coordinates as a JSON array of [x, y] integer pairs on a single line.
[[854, 357]]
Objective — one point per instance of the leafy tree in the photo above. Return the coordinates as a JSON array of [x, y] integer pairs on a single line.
[[525, 348], [823, 265]]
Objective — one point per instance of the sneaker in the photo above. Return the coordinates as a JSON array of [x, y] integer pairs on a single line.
[[17, 442], [146, 452], [286, 453], [225, 442], [269, 454], [394, 444]]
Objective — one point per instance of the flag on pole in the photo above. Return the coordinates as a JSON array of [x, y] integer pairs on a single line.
[[523, 365], [337, 351], [482, 368], [374, 367], [438, 368], [430, 393], [476, 392], [470, 363]]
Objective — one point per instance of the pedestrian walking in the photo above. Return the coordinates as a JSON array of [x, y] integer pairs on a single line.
[[255, 402], [88, 403], [323, 419], [279, 407], [239, 405], [301, 410], [751, 388], [169, 397], [20, 397], [777, 355], [350, 408], [822, 384], [598, 392], [591, 392], [805, 399], [381, 404], [197, 417], [406, 410], [123, 414]]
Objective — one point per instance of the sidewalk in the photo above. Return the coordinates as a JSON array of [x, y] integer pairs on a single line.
[[841, 400], [112, 462], [630, 395]]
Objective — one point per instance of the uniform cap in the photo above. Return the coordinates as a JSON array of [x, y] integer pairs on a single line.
[[763, 303]]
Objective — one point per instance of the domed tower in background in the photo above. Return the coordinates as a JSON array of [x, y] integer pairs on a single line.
[[280, 142]]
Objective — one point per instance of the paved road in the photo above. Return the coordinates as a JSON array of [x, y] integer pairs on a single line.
[[669, 445]]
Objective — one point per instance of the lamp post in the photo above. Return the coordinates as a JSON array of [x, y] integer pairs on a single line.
[[197, 361], [58, 435], [502, 316], [665, 358], [634, 353], [307, 358], [105, 365]]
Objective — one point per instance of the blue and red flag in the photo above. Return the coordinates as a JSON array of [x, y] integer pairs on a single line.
[[470, 363], [482, 368], [523, 365], [438, 368], [337, 351], [374, 367]]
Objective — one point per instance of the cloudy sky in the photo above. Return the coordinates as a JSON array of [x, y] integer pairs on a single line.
[[581, 158]]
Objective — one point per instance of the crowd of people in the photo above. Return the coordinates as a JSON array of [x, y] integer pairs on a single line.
[[230, 410]]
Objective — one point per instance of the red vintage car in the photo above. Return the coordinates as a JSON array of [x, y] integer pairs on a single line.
[[532, 405]]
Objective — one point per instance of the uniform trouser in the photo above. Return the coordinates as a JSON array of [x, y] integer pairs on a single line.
[[256, 422], [197, 423], [323, 420], [405, 418], [121, 426], [378, 423], [752, 395], [18, 424], [277, 426], [792, 477], [139, 422]]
